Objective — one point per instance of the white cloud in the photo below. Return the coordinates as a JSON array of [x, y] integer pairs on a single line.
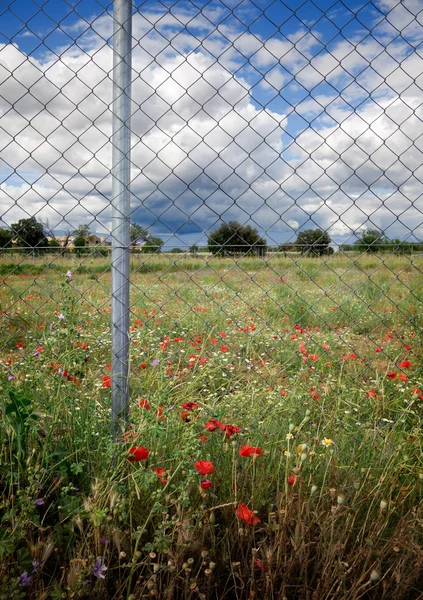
[[206, 147]]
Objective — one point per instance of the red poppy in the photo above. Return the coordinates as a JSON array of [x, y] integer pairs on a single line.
[[129, 435], [190, 405], [391, 375], [291, 479], [138, 453], [247, 515], [205, 484], [160, 471], [405, 364], [371, 394], [107, 380], [231, 430], [213, 424], [19, 345], [203, 438], [204, 467], [144, 403], [159, 414], [249, 451]]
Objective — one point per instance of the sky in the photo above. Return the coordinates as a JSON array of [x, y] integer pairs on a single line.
[[282, 115]]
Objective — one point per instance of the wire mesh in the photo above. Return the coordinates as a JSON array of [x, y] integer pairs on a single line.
[[275, 194]]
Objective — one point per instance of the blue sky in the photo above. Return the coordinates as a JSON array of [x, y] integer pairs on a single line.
[[283, 115]]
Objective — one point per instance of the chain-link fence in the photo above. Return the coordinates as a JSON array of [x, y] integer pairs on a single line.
[[264, 166]]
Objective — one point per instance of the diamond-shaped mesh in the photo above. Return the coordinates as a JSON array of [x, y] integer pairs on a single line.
[[273, 118]]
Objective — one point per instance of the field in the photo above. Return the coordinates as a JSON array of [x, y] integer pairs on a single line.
[[274, 448]]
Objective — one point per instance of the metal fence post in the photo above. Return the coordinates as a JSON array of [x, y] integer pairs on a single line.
[[122, 44]]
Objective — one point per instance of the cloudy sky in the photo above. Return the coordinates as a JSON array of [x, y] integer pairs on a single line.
[[284, 115]]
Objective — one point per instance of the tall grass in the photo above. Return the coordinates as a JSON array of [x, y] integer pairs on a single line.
[[317, 366]]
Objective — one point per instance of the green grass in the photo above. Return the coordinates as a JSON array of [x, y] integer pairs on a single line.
[[293, 351]]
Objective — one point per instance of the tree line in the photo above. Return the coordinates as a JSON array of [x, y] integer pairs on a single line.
[[230, 239]]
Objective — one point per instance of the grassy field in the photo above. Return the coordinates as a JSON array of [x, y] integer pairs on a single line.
[[274, 448]]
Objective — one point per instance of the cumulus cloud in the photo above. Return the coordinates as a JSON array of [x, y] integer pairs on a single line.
[[282, 127]]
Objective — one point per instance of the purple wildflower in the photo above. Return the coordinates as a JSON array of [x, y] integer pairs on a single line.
[[35, 565], [39, 502], [25, 580], [12, 378], [155, 362], [99, 569], [69, 275], [104, 540]]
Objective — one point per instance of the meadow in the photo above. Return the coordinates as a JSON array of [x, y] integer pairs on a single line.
[[274, 447]]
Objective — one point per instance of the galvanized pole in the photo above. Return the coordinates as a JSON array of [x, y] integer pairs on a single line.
[[121, 137]]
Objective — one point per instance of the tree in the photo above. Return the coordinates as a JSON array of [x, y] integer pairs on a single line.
[[234, 238], [136, 232], [154, 245], [193, 249], [314, 241], [82, 231], [6, 237], [79, 243], [30, 234], [371, 240], [54, 246]]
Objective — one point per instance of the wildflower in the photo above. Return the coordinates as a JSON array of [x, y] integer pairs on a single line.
[[143, 402], [203, 438], [19, 345], [291, 479], [213, 424], [405, 364], [155, 362], [204, 467], [99, 569], [39, 502], [289, 436], [25, 580], [107, 381], [247, 451], [371, 394], [327, 442], [69, 275], [247, 515], [231, 430], [159, 413], [160, 471], [138, 453], [205, 484], [391, 375], [189, 405]]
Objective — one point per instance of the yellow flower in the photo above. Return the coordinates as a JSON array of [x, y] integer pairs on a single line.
[[289, 436], [327, 442]]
